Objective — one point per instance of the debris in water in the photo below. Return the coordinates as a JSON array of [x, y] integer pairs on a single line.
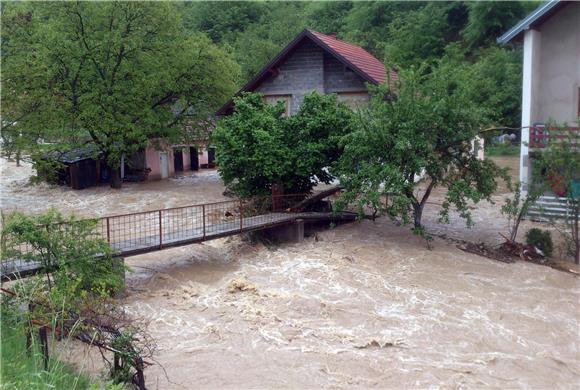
[[374, 343], [241, 284]]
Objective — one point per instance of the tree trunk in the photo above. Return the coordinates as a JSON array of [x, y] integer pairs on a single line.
[[417, 214], [313, 199], [18, 158], [115, 180]]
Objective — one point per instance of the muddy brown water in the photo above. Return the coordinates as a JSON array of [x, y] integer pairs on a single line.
[[358, 306]]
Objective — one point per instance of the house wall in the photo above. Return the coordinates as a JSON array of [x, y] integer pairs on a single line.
[[309, 69], [338, 78], [153, 162], [203, 157], [559, 67], [551, 77], [300, 74]]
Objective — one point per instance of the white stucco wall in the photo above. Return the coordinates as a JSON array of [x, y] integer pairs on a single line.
[[551, 76], [559, 67]]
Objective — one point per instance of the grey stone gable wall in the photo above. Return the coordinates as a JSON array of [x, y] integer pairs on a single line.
[[338, 78], [307, 69]]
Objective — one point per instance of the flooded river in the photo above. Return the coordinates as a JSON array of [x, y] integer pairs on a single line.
[[363, 305]]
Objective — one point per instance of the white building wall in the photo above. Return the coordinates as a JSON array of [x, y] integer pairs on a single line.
[[551, 77], [559, 71]]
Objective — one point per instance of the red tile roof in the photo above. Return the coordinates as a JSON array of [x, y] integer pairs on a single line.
[[355, 55]]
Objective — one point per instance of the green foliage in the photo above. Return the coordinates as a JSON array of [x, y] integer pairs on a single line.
[[516, 207], [417, 36], [116, 74], [22, 369], [489, 19], [222, 21], [74, 260], [502, 150], [259, 147], [46, 169], [541, 239], [559, 167], [424, 130]]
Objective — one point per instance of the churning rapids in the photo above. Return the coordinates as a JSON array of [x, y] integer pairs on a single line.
[[361, 305]]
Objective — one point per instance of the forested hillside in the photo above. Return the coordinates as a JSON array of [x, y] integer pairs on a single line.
[[403, 34], [121, 73]]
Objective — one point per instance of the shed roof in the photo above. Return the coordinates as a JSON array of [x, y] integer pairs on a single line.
[[355, 57], [534, 19]]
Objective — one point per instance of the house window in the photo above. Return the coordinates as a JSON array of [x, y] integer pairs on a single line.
[[286, 99], [355, 100]]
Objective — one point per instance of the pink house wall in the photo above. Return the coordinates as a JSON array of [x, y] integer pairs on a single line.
[[153, 162], [203, 158]]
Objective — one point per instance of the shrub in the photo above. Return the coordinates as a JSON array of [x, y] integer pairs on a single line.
[[541, 239]]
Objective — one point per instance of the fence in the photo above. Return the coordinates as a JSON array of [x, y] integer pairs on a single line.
[[152, 230], [542, 137]]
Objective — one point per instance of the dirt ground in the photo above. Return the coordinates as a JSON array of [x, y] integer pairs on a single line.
[[358, 306]]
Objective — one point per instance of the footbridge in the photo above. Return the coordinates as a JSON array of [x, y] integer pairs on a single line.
[[149, 231]]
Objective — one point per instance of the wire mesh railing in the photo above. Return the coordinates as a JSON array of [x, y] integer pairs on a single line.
[[149, 230]]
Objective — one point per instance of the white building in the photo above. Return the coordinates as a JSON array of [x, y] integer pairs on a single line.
[[551, 71]]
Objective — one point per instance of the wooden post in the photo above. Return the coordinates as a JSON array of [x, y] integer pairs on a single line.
[[140, 377], [277, 192], [108, 232], [160, 231], [241, 215], [42, 335], [203, 215]]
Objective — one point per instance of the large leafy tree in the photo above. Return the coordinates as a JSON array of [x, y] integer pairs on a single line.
[[114, 74], [489, 19], [259, 147], [413, 139]]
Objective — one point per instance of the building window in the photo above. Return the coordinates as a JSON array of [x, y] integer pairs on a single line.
[[355, 100], [286, 99]]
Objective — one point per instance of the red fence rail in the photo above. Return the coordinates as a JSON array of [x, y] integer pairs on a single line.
[[542, 137]]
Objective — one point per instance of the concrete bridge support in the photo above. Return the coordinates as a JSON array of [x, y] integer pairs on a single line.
[[292, 232]]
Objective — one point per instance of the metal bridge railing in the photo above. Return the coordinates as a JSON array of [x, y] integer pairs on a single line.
[[148, 230]]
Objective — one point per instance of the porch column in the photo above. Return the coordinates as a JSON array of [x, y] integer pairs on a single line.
[[531, 77]]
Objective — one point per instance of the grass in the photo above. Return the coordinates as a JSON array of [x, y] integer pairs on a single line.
[[502, 150], [22, 369]]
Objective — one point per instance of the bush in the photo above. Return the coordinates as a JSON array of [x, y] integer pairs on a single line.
[[541, 239]]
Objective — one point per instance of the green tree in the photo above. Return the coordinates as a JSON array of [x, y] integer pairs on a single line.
[[262, 41], [72, 257], [417, 36], [328, 16], [222, 21], [412, 140], [491, 79], [259, 147], [114, 74], [489, 19]]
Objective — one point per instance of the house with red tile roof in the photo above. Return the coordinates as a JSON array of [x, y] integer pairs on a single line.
[[321, 63]]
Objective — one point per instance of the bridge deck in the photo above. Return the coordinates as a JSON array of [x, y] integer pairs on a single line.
[[139, 233]]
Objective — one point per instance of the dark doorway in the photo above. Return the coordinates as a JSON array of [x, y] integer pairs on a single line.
[[194, 159], [211, 157], [178, 160]]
